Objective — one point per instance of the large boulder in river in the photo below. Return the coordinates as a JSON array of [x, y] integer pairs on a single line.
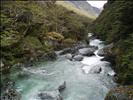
[[62, 86], [78, 57], [111, 73], [50, 95], [94, 48], [101, 52], [72, 50], [109, 58], [107, 53], [107, 50], [86, 51], [95, 69], [68, 56], [120, 93]]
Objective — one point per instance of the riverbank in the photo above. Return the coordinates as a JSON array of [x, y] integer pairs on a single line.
[[89, 75]]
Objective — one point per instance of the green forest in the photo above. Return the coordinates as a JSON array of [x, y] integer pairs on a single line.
[[115, 25]]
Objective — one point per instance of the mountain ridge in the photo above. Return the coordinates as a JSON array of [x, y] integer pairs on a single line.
[[81, 7], [86, 6]]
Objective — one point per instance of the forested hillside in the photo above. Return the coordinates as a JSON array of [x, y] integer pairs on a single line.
[[31, 28], [115, 25]]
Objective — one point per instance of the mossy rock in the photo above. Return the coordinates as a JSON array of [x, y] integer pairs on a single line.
[[120, 93]]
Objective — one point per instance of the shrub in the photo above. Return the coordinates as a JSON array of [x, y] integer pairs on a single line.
[[55, 36], [69, 41], [9, 37]]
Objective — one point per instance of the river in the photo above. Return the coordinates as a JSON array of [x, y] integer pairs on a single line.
[[82, 83]]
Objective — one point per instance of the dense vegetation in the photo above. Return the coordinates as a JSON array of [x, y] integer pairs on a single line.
[[115, 24], [32, 28]]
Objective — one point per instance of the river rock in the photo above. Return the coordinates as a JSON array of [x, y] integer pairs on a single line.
[[65, 51], [62, 86], [28, 64], [107, 50], [109, 58], [52, 55], [11, 95], [80, 46], [78, 57], [50, 95], [72, 50], [94, 48], [96, 69], [68, 56], [101, 52], [120, 93], [9, 92], [111, 73], [49, 56], [86, 51]]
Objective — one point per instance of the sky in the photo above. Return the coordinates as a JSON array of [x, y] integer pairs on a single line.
[[97, 3]]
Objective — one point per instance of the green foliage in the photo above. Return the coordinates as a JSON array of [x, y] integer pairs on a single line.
[[125, 60], [69, 41], [25, 24], [32, 42], [55, 36], [115, 24], [115, 21], [9, 37], [119, 93]]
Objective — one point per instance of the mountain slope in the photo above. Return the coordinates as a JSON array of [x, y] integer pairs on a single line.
[[84, 5], [97, 10], [115, 24], [81, 7], [30, 29]]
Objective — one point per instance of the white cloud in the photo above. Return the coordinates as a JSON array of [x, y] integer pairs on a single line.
[[98, 4]]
